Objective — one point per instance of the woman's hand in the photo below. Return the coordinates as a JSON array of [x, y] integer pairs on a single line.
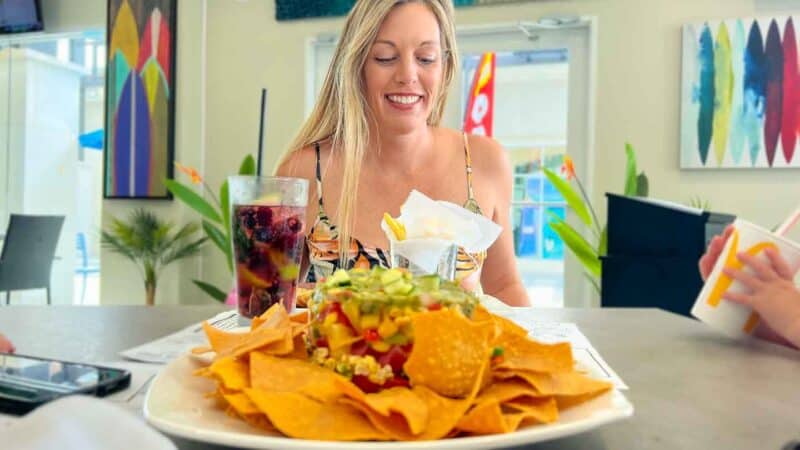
[[708, 260], [6, 346], [771, 293]]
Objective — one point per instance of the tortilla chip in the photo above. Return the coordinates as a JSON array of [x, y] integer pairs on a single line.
[[484, 418], [303, 296], [443, 412], [506, 390], [531, 410], [398, 412], [223, 342], [284, 346], [504, 405], [522, 353], [298, 416], [301, 317], [508, 327], [231, 372], [568, 388], [261, 422], [258, 339], [241, 404], [274, 374], [481, 314], [275, 317], [299, 351], [449, 352]]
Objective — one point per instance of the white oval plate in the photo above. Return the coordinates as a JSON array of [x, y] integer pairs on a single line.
[[176, 406]]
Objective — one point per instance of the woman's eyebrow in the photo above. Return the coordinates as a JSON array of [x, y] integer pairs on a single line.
[[422, 44]]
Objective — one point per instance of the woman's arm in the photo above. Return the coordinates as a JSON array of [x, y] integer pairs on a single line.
[[500, 277]]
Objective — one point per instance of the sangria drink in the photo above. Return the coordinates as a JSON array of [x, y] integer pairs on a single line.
[[268, 237]]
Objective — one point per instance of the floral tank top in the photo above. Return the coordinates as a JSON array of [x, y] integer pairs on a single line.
[[323, 243]]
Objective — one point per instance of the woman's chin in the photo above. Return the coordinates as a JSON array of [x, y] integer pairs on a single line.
[[402, 125]]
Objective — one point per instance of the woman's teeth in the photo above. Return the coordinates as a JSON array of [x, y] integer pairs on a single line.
[[404, 99]]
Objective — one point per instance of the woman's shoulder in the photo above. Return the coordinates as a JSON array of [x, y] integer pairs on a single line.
[[486, 154], [302, 163]]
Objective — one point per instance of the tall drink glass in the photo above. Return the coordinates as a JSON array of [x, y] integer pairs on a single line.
[[267, 224]]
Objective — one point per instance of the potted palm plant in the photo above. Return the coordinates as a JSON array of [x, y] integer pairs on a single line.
[[151, 244]]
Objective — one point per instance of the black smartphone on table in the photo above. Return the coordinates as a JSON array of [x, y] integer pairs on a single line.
[[27, 382]]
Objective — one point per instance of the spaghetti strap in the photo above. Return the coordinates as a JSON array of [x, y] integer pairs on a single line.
[[470, 192], [319, 175]]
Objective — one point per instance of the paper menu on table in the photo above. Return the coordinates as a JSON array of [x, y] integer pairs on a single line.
[[587, 358], [167, 348]]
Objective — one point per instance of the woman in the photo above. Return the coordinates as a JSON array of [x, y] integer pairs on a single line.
[[374, 135], [772, 292]]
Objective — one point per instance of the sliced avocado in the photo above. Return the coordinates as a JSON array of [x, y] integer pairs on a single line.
[[339, 278], [390, 276], [398, 287], [428, 283]]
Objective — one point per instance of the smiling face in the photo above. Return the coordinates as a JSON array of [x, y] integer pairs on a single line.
[[403, 71]]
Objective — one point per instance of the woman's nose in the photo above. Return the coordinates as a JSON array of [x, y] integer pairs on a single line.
[[406, 71]]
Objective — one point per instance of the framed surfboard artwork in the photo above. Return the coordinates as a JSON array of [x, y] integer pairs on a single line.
[[303, 9], [740, 95], [140, 99]]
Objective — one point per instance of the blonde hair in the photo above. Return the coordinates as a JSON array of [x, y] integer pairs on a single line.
[[341, 111]]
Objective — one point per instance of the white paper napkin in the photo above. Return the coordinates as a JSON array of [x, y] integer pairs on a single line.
[[432, 226], [82, 422]]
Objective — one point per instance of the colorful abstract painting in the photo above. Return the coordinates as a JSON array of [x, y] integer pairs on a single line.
[[740, 100], [140, 98], [302, 9]]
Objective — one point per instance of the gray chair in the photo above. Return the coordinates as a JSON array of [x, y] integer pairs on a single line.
[[28, 252]]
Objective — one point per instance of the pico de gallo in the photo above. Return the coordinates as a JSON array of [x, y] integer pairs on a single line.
[[360, 323]]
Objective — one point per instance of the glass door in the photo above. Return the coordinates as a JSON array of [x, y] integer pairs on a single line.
[[53, 90], [542, 112]]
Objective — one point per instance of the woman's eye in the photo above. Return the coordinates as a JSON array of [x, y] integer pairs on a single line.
[[385, 60], [426, 60]]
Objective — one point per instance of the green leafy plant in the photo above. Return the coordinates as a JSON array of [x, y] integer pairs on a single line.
[[589, 249], [151, 244], [700, 203], [216, 215]]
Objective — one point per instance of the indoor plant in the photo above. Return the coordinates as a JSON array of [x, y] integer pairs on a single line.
[[151, 244], [216, 215], [589, 249]]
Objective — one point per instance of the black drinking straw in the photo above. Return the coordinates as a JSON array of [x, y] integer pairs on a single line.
[[261, 130]]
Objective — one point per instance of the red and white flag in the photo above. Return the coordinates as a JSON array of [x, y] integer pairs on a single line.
[[480, 107]]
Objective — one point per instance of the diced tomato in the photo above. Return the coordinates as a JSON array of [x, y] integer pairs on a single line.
[[371, 335], [362, 348], [395, 382], [395, 357], [435, 307], [364, 384], [359, 348], [321, 342]]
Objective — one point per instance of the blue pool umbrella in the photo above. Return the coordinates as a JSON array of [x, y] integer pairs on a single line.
[[93, 139]]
